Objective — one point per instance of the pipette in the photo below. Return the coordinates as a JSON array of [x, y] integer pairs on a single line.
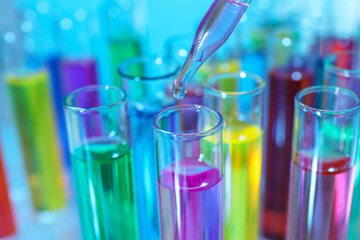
[[214, 29]]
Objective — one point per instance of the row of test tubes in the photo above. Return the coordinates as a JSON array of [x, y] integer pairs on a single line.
[[208, 163]]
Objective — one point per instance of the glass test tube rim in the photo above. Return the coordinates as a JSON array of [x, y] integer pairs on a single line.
[[196, 135], [326, 112], [92, 88], [331, 67], [234, 94], [158, 59]]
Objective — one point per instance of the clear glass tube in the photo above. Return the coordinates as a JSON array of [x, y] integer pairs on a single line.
[[30, 95], [123, 38], [147, 81], [213, 30], [290, 57], [101, 162], [325, 137], [189, 172], [239, 97], [343, 69]]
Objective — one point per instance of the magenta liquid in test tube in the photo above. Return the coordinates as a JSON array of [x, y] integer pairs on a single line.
[[190, 172], [325, 136]]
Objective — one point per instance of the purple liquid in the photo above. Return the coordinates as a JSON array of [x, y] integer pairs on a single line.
[[212, 32], [77, 73], [320, 202], [190, 195]]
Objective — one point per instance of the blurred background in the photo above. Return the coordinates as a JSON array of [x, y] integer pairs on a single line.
[[69, 44]]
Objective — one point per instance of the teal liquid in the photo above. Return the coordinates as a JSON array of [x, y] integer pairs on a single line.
[[354, 223], [104, 188]]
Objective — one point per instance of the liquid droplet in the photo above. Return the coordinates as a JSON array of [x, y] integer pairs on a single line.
[[179, 93], [305, 108]]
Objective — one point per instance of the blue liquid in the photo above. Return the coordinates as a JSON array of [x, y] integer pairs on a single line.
[[254, 62], [53, 66], [145, 172]]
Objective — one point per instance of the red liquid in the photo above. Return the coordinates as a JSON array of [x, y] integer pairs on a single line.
[[332, 45], [284, 84], [7, 224]]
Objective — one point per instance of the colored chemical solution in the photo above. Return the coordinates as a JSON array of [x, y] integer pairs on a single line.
[[284, 83], [254, 62], [242, 146], [320, 199], [354, 222], [77, 73], [190, 195], [104, 189], [145, 171], [53, 65], [32, 105], [214, 29], [7, 226], [123, 48]]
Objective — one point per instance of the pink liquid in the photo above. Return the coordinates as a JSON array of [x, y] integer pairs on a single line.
[[190, 195], [320, 201]]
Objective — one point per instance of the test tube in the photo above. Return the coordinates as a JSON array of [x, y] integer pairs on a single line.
[[147, 81], [290, 69], [28, 86], [7, 226], [122, 34], [239, 97], [78, 66], [31, 100], [41, 38], [325, 138], [190, 172], [101, 162], [342, 69]]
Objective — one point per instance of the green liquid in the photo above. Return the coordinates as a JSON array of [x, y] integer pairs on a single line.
[[122, 48], [104, 186], [35, 119]]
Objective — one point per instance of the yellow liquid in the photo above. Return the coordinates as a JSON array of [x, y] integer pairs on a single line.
[[242, 151], [36, 124], [242, 146]]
